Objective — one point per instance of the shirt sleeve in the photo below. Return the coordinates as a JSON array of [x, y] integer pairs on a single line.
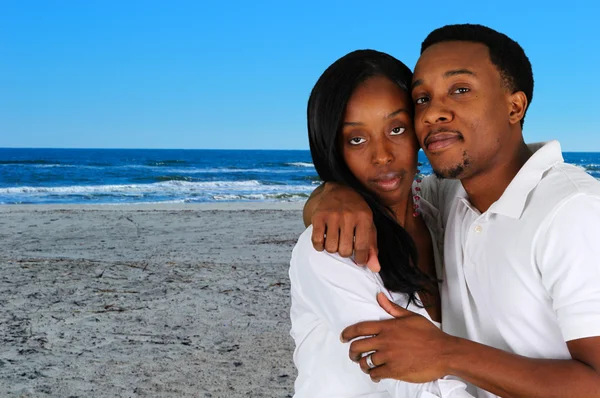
[[440, 193], [569, 263], [343, 294], [430, 189]]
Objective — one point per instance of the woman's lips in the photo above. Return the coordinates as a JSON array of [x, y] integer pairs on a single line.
[[387, 184]]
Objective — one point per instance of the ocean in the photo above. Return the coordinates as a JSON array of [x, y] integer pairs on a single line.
[[127, 176]]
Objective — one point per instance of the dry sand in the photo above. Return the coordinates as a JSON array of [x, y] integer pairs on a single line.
[[146, 301]]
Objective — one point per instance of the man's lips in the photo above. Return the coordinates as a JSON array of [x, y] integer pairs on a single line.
[[437, 141]]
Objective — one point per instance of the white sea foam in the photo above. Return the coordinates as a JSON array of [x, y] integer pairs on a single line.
[[300, 164], [52, 166], [162, 188], [262, 197], [155, 187]]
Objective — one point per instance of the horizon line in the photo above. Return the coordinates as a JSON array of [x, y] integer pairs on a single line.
[[200, 149], [162, 149]]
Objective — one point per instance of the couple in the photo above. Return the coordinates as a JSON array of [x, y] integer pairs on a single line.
[[500, 246]]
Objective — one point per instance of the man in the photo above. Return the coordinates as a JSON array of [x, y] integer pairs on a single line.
[[521, 283]]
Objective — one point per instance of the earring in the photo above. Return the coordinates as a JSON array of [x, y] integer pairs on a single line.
[[417, 193]]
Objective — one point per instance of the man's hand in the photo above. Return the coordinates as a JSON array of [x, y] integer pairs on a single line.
[[412, 349], [343, 223], [408, 348]]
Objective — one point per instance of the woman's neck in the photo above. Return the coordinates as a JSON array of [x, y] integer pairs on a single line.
[[403, 211]]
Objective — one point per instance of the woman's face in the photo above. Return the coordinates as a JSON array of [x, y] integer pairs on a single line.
[[378, 140]]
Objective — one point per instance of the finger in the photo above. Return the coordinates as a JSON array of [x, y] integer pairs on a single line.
[[359, 347], [362, 241], [392, 308], [376, 359], [318, 233], [346, 242], [332, 235], [373, 261], [362, 329], [380, 372]]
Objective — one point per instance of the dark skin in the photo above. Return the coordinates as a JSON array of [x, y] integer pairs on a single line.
[[380, 149], [468, 124], [408, 348]]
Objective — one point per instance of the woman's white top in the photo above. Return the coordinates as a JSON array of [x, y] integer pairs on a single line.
[[330, 293]]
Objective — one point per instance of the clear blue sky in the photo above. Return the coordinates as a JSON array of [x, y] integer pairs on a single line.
[[237, 74]]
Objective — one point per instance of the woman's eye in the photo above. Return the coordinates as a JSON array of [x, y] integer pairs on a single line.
[[421, 100], [357, 140], [397, 130], [461, 90]]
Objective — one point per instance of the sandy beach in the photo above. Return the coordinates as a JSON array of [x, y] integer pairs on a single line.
[[146, 300]]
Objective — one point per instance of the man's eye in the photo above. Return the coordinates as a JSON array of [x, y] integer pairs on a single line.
[[461, 90], [421, 100], [397, 130], [357, 140]]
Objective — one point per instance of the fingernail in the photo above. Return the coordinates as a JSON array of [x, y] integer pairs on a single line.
[[342, 339]]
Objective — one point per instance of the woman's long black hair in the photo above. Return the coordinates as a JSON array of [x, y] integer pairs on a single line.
[[326, 110]]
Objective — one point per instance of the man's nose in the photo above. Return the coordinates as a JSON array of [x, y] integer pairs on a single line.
[[436, 112]]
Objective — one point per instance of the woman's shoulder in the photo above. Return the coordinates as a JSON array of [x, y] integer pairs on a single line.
[[304, 249], [306, 257]]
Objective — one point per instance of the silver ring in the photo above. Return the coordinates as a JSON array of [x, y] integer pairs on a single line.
[[370, 363]]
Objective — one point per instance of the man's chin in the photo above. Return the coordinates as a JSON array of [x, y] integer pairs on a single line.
[[451, 173]]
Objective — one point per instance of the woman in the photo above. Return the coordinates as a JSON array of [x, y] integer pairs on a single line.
[[361, 135]]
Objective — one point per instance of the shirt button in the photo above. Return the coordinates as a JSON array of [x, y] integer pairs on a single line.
[[478, 229]]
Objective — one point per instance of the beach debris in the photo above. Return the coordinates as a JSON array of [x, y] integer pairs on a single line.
[[116, 291]]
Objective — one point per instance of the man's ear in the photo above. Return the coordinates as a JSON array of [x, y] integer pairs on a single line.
[[518, 106]]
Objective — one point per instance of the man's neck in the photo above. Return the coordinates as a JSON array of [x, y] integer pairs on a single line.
[[487, 187]]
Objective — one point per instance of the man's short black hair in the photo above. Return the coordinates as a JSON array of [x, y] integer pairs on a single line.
[[505, 53]]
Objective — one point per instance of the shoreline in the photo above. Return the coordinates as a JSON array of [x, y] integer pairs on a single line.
[[224, 206]]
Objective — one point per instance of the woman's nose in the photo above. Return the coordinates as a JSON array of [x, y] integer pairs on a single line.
[[382, 153]]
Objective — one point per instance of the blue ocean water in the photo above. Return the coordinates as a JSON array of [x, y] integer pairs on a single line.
[[111, 176]]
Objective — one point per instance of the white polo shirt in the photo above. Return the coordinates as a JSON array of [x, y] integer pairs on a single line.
[[330, 293], [524, 276]]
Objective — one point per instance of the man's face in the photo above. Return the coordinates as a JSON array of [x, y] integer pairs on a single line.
[[461, 109]]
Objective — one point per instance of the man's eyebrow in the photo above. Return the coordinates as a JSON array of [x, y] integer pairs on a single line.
[[353, 124], [448, 74], [459, 72]]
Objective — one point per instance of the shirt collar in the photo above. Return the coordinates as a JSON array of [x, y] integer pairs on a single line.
[[512, 202]]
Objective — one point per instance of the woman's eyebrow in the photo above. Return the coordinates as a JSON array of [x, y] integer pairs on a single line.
[[388, 116], [396, 112], [353, 124]]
